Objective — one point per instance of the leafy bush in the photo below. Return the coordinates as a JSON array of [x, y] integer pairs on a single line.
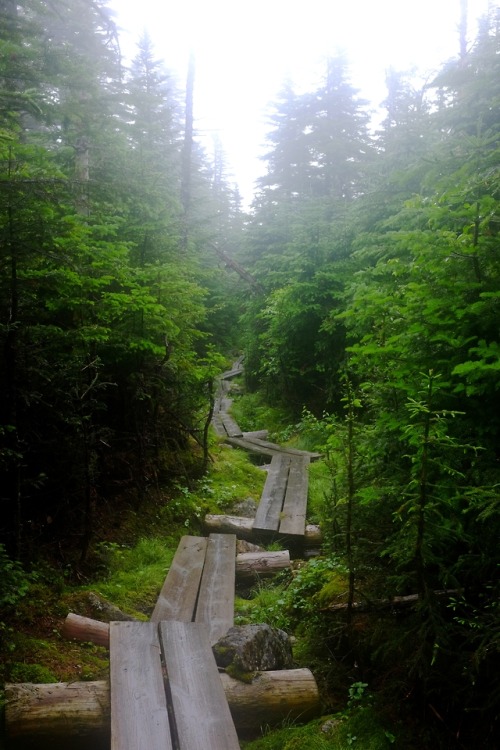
[[14, 581]]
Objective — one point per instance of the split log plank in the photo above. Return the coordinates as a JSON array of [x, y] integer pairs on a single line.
[[177, 599], [268, 515], [215, 606], [200, 707], [139, 717], [231, 427], [71, 709], [261, 434], [263, 447], [293, 517]]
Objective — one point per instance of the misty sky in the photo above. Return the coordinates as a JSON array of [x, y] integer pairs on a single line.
[[245, 50]]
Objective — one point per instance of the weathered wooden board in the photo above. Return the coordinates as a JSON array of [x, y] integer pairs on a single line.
[[177, 599], [293, 516], [230, 425], [265, 448], [218, 425], [261, 434], [268, 515], [202, 716], [283, 448], [215, 607], [139, 718], [253, 447]]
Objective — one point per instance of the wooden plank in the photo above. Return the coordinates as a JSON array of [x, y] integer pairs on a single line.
[[230, 425], [139, 718], [218, 425], [215, 606], [265, 448], [202, 717], [293, 517], [267, 517], [177, 599], [283, 448], [259, 434], [252, 447]]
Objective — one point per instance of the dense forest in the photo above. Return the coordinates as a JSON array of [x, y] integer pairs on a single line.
[[363, 287]]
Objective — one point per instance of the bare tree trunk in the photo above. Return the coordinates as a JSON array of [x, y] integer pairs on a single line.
[[187, 147]]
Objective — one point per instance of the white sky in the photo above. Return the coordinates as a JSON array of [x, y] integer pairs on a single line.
[[245, 50]]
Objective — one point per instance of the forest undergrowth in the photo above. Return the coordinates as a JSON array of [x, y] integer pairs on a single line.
[[129, 560]]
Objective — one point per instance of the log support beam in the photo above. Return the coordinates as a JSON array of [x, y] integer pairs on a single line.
[[76, 709]]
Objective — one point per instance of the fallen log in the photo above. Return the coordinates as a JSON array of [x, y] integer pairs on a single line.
[[223, 524], [74, 709], [243, 528], [255, 565], [61, 708], [394, 602], [85, 629], [290, 694]]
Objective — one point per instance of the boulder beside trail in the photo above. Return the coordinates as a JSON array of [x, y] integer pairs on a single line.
[[246, 649]]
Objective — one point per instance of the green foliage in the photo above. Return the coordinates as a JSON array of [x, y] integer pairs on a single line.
[[359, 727], [36, 673], [14, 581]]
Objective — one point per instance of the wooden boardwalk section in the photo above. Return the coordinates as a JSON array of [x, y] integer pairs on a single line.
[[282, 508], [283, 504], [200, 584], [165, 687], [166, 692]]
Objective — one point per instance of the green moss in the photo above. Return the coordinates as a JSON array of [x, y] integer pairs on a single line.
[[31, 673], [238, 674]]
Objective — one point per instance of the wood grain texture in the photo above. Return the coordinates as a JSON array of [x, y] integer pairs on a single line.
[[256, 565], [177, 599], [268, 515], [139, 718], [230, 425], [293, 517], [85, 629], [215, 606], [224, 524], [62, 709], [272, 697], [202, 715]]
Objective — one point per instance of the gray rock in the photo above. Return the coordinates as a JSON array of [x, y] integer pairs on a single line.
[[253, 648], [104, 610], [243, 546], [245, 508]]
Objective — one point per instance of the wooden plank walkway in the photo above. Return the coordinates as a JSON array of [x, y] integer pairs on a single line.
[[283, 504], [222, 421], [202, 717], [139, 715], [166, 691], [200, 584], [249, 442]]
